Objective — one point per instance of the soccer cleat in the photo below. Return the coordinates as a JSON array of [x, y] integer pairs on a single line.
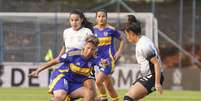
[[52, 99]]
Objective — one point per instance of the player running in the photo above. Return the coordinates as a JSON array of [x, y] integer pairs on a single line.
[[106, 50], [148, 58]]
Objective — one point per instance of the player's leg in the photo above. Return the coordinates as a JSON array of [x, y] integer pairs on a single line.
[[142, 87], [81, 92], [58, 86], [109, 85], [100, 78], [77, 93], [59, 95], [136, 92], [90, 85]]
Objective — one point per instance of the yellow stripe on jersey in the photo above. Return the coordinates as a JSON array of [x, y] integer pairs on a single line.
[[105, 41], [53, 83], [79, 70], [112, 58]]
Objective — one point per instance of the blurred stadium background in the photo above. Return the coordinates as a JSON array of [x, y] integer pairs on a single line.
[[28, 28]]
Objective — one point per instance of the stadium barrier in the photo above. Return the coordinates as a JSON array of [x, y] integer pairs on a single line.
[[15, 74]]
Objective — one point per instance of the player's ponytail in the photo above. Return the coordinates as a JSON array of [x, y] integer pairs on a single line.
[[133, 25], [87, 24], [131, 19]]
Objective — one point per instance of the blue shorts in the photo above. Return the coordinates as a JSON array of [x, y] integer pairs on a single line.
[[107, 70], [59, 82]]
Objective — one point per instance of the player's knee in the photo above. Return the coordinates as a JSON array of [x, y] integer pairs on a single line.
[[98, 83], [109, 87], [127, 98], [60, 96], [92, 93]]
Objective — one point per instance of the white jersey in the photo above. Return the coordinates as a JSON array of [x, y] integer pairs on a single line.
[[75, 39], [145, 50]]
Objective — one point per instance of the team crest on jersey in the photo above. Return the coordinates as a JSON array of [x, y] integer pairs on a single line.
[[78, 63], [105, 33], [89, 64]]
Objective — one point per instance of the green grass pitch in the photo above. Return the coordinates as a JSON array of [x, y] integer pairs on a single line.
[[40, 94]]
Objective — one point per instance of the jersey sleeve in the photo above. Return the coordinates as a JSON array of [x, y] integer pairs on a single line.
[[148, 53], [117, 34], [64, 57], [89, 32]]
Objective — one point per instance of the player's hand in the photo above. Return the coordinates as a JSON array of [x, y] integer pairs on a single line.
[[159, 88], [34, 74], [117, 55], [104, 62]]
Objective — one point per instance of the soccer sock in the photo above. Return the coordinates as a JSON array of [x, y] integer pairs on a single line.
[[115, 99], [103, 97], [67, 98], [52, 99], [127, 98]]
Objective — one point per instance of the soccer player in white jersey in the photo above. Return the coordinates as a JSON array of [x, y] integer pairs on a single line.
[[148, 59], [74, 37]]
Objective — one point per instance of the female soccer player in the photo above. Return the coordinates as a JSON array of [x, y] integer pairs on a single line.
[[148, 58], [68, 79], [74, 37], [106, 50]]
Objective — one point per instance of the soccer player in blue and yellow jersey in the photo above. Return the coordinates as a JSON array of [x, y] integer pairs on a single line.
[[106, 50], [74, 37], [68, 79]]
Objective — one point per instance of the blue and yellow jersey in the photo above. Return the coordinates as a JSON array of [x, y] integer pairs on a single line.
[[76, 67], [106, 39]]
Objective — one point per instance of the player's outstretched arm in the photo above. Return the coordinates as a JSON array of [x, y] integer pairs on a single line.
[[120, 49], [43, 67], [62, 51]]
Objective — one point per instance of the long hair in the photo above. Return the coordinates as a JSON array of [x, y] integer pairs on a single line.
[[85, 22]]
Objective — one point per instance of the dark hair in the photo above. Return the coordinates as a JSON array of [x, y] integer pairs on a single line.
[[133, 25], [92, 39], [131, 19], [85, 22], [101, 10]]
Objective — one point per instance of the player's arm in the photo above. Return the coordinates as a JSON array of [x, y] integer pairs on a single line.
[[157, 71], [120, 48], [43, 67], [62, 51]]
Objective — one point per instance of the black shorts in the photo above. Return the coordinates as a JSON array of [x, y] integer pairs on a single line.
[[148, 82], [92, 75]]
